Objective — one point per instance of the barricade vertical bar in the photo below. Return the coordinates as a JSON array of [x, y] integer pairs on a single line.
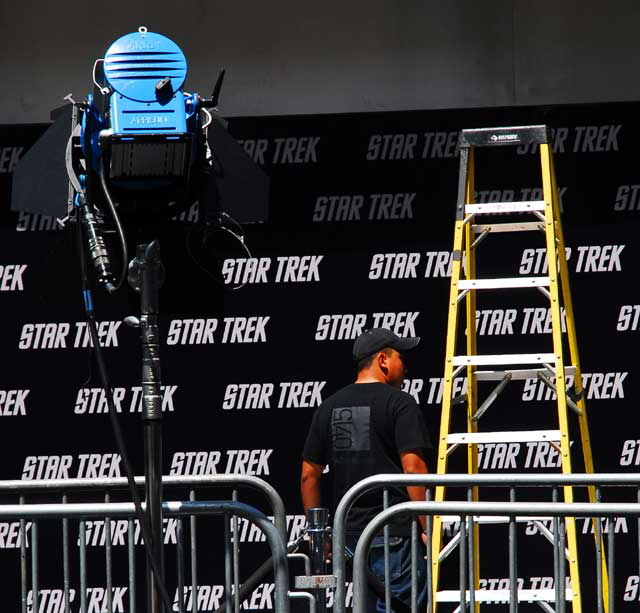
[[131, 542], [35, 587], [598, 531], [513, 552], [23, 562], [561, 606], [65, 558], [83, 567], [557, 553], [228, 562], [430, 595], [387, 562], [180, 564], [462, 547], [472, 557], [236, 556], [414, 565], [194, 559], [107, 560], [612, 563]]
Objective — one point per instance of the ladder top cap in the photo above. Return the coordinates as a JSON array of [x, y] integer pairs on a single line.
[[501, 136]]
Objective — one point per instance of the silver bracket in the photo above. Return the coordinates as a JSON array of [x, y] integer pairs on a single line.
[[544, 291], [480, 238], [462, 294], [570, 403], [315, 582], [492, 397]]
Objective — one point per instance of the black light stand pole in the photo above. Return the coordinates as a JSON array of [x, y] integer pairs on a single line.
[[146, 275], [318, 531]]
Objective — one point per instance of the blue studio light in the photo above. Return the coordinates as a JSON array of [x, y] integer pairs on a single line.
[[140, 123]]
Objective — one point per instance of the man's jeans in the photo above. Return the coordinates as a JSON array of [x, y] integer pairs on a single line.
[[399, 568]]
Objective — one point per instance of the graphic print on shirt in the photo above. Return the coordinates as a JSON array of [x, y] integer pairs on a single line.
[[350, 428]]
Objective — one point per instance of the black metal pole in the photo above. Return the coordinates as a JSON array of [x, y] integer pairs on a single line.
[[317, 529], [146, 275]]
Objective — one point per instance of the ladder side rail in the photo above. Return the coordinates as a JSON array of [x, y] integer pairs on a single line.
[[572, 337], [553, 256], [466, 161], [472, 388]]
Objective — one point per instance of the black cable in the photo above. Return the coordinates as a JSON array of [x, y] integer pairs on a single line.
[[116, 220], [263, 571], [115, 424], [238, 236], [89, 369]]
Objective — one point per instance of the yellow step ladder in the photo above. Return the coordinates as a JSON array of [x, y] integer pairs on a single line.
[[528, 216]]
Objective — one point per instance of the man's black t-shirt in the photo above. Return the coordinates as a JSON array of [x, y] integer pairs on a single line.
[[360, 431]]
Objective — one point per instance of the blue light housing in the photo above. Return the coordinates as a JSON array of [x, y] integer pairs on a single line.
[[145, 121]]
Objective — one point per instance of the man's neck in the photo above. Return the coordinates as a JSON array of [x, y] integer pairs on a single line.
[[369, 376]]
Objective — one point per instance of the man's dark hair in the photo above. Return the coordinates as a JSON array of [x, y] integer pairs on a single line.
[[365, 362]]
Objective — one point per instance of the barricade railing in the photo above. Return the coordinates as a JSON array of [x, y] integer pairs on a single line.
[[63, 487], [517, 507], [25, 511], [126, 510]]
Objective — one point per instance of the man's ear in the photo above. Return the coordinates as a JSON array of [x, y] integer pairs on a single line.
[[383, 361]]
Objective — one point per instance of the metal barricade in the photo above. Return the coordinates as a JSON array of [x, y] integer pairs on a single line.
[[126, 510], [115, 512], [65, 486], [514, 508]]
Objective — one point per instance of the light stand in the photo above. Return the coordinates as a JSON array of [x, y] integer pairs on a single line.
[[146, 276], [139, 134]]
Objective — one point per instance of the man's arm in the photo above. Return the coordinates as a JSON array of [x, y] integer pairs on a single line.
[[413, 464], [310, 484]]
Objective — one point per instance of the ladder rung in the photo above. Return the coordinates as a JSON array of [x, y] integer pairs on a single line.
[[525, 226], [505, 207], [516, 375], [546, 595], [506, 283], [507, 358], [519, 436]]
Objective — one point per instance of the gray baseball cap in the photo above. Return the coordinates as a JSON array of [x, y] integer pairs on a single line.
[[375, 339]]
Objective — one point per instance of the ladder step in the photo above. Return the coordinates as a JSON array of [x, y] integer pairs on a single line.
[[519, 436], [506, 283], [525, 226], [504, 135], [517, 375], [507, 358], [545, 595], [527, 206]]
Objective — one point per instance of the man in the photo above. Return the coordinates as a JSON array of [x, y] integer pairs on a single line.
[[366, 428]]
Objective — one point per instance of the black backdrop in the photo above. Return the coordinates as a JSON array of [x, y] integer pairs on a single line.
[[359, 234]]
